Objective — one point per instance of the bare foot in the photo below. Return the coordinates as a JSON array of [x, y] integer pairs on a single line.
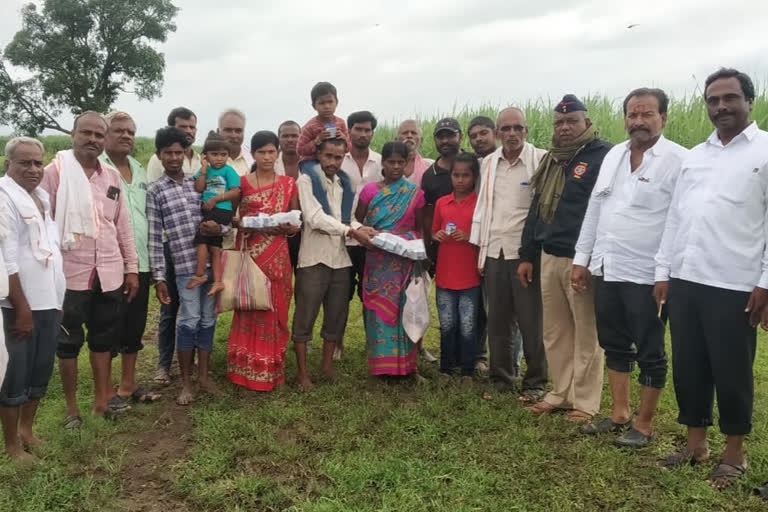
[[196, 281], [466, 381], [216, 287], [30, 439], [329, 373], [304, 384], [18, 454], [185, 397]]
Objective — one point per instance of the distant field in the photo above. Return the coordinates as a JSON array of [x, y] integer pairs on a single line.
[[688, 124]]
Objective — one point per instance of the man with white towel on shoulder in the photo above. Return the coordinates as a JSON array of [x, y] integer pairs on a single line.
[[100, 261]]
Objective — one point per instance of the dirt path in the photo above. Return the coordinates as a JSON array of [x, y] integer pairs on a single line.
[[145, 477]]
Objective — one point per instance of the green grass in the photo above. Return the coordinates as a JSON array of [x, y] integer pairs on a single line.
[[359, 445]]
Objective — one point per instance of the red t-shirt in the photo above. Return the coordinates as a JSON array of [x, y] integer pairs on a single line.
[[456, 261]]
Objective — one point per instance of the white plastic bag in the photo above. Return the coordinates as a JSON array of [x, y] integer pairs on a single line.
[[416, 309]]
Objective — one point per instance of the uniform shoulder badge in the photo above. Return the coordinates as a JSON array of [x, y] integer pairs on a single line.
[[579, 170]]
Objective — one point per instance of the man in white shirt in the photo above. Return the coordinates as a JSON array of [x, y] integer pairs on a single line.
[[504, 199], [363, 166], [713, 262], [32, 311], [619, 239], [323, 275], [232, 128], [186, 121]]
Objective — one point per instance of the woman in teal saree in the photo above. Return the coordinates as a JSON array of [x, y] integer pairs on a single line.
[[392, 205]]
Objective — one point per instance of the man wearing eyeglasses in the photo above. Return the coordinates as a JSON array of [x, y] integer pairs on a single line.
[[505, 197]]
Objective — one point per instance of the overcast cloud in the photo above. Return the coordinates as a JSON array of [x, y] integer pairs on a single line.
[[400, 59]]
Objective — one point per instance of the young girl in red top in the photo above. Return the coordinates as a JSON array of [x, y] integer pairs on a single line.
[[457, 279]]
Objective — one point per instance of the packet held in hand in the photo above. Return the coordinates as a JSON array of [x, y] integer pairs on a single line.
[[411, 249], [263, 220], [292, 217]]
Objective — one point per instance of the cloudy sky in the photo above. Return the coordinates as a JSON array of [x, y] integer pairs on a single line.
[[400, 59]]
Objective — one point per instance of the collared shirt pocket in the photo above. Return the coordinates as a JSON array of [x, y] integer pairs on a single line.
[[743, 184], [107, 207], [523, 195], [648, 194]]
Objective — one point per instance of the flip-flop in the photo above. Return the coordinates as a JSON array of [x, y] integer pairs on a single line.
[[116, 407], [542, 408], [726, 473], [531, 396], [73, 422], [162, 377], [576, 416], [604, 426], [681, 457], [761, 491], [142, 396]]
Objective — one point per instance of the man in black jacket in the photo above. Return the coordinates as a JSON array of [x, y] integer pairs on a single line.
[[563, 184]]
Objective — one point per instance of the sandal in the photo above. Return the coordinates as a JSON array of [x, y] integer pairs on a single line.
[[577, 416], [142, 396], [73, 422], [531, 396], [681, 457], [116, 407], [761, 491], [605, 426], [725, 474], [542, 408], [162, 376]]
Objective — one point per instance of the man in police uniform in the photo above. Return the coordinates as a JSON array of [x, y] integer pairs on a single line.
[[563, 184]]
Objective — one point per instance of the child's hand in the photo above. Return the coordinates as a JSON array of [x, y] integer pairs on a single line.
[[325, 134], [440, 236], [203, 164], [460, 236], [209, 204]]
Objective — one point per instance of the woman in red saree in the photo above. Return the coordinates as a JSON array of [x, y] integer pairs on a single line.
[[257, 339]]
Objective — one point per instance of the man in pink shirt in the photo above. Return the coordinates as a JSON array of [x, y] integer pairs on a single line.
[[409, 132], [100, 261]]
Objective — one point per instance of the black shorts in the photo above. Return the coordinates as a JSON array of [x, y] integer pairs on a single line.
[[99, 311], [220, 216], [134, 318]]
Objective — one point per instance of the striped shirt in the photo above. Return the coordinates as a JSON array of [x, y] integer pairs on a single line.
[[175, 209]]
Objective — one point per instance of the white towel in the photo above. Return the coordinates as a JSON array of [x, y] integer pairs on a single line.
[[31, 216], [76, 216]]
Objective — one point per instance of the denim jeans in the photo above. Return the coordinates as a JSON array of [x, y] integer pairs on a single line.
[[197, 315], [30, 360], [458, 312], [166, 330]]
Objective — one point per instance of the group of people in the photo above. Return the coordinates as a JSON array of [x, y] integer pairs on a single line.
[[567, 256]]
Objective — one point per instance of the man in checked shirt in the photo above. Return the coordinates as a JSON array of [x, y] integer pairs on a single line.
[[173, 206]]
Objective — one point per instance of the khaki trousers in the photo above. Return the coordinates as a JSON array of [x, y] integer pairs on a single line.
[[570, 339]]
